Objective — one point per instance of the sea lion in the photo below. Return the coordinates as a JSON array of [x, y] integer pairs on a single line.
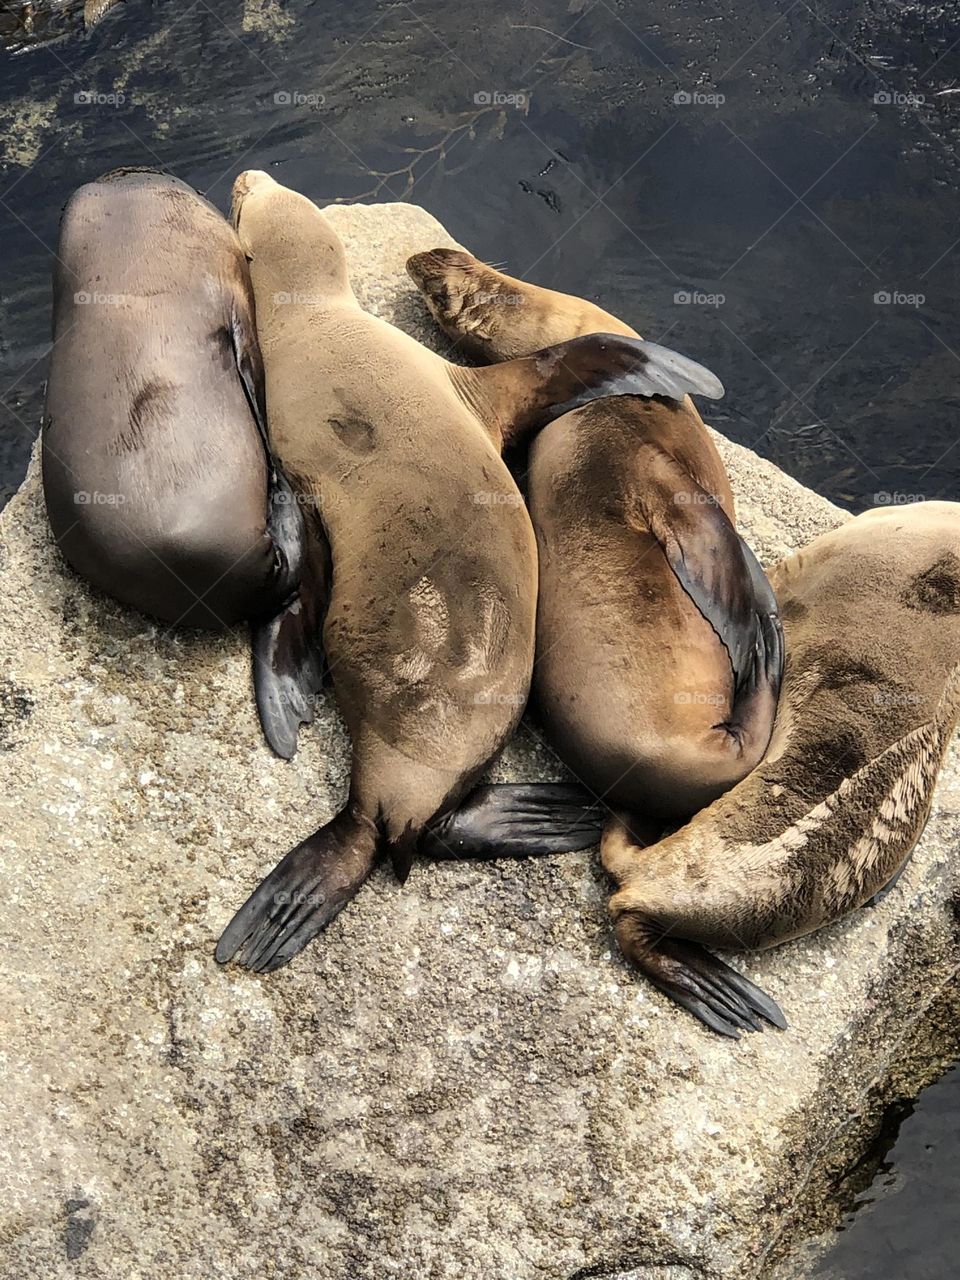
[[160, 483], [871, 696], [429, 631], [659, 649]]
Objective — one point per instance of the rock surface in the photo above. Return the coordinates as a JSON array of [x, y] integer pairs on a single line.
[[461, 1079]]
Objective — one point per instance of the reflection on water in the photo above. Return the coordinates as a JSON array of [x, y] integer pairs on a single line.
[[768, 187], [749, 182]]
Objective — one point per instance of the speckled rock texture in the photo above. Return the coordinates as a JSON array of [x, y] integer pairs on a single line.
[[461, 1079]]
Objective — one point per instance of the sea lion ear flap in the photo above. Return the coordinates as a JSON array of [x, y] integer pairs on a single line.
[[527, 393]]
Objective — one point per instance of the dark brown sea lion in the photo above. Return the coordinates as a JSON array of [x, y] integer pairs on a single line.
[[159, 480], [429, 633], [659, 650], [871, 696]]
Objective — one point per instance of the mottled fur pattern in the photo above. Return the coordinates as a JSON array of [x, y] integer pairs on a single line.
[[870, 699]]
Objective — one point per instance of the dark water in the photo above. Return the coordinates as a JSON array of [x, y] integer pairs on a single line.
[[746, 181], [904, 1219]]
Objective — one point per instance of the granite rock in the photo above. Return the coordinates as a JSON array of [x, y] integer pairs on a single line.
[[461, 1079]]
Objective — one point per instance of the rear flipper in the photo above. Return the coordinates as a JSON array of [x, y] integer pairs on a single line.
[[302, 894], [288, 665], [516, 820], [721, 998]]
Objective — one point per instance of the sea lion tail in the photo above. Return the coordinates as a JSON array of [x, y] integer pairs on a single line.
[[526, 394], [288, 665], [302, 894], [516, 820]]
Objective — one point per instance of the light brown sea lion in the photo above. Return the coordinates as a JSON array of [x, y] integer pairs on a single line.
[[659, 650], [871, 696], [430, 629], [159, 480]]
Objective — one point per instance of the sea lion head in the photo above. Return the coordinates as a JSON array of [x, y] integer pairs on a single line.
[[448, 280], [287, 236], [473, 304]]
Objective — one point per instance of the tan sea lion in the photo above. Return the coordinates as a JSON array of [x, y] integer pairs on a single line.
[[659, 650], [871, 696], [430, 628], [160, 483]]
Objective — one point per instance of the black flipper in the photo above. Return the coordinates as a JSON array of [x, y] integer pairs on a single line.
[[879, 896], [769, 652], [721, 998], [246, 352], [714, 565], [288, 665], [531, 391], [301, 895], [516, 820]]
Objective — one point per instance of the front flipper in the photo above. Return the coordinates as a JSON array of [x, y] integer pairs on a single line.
[[769, 652], [288, 666], [714, 566], [891, 884], [721, 998], [523, 395], [301, 895], [516, 820], [287, 646], [246, 352]]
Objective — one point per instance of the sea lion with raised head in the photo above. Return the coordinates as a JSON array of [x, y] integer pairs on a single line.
[[871, 696], [429, 632], [659, 650], [160, 483]]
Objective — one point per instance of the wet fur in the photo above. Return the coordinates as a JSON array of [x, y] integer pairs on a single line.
[[634, 685], [870, 699], [430, 627], [145, 405]]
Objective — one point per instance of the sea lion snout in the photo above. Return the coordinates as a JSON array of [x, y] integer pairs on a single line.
[[429, 268], [243, 184]]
